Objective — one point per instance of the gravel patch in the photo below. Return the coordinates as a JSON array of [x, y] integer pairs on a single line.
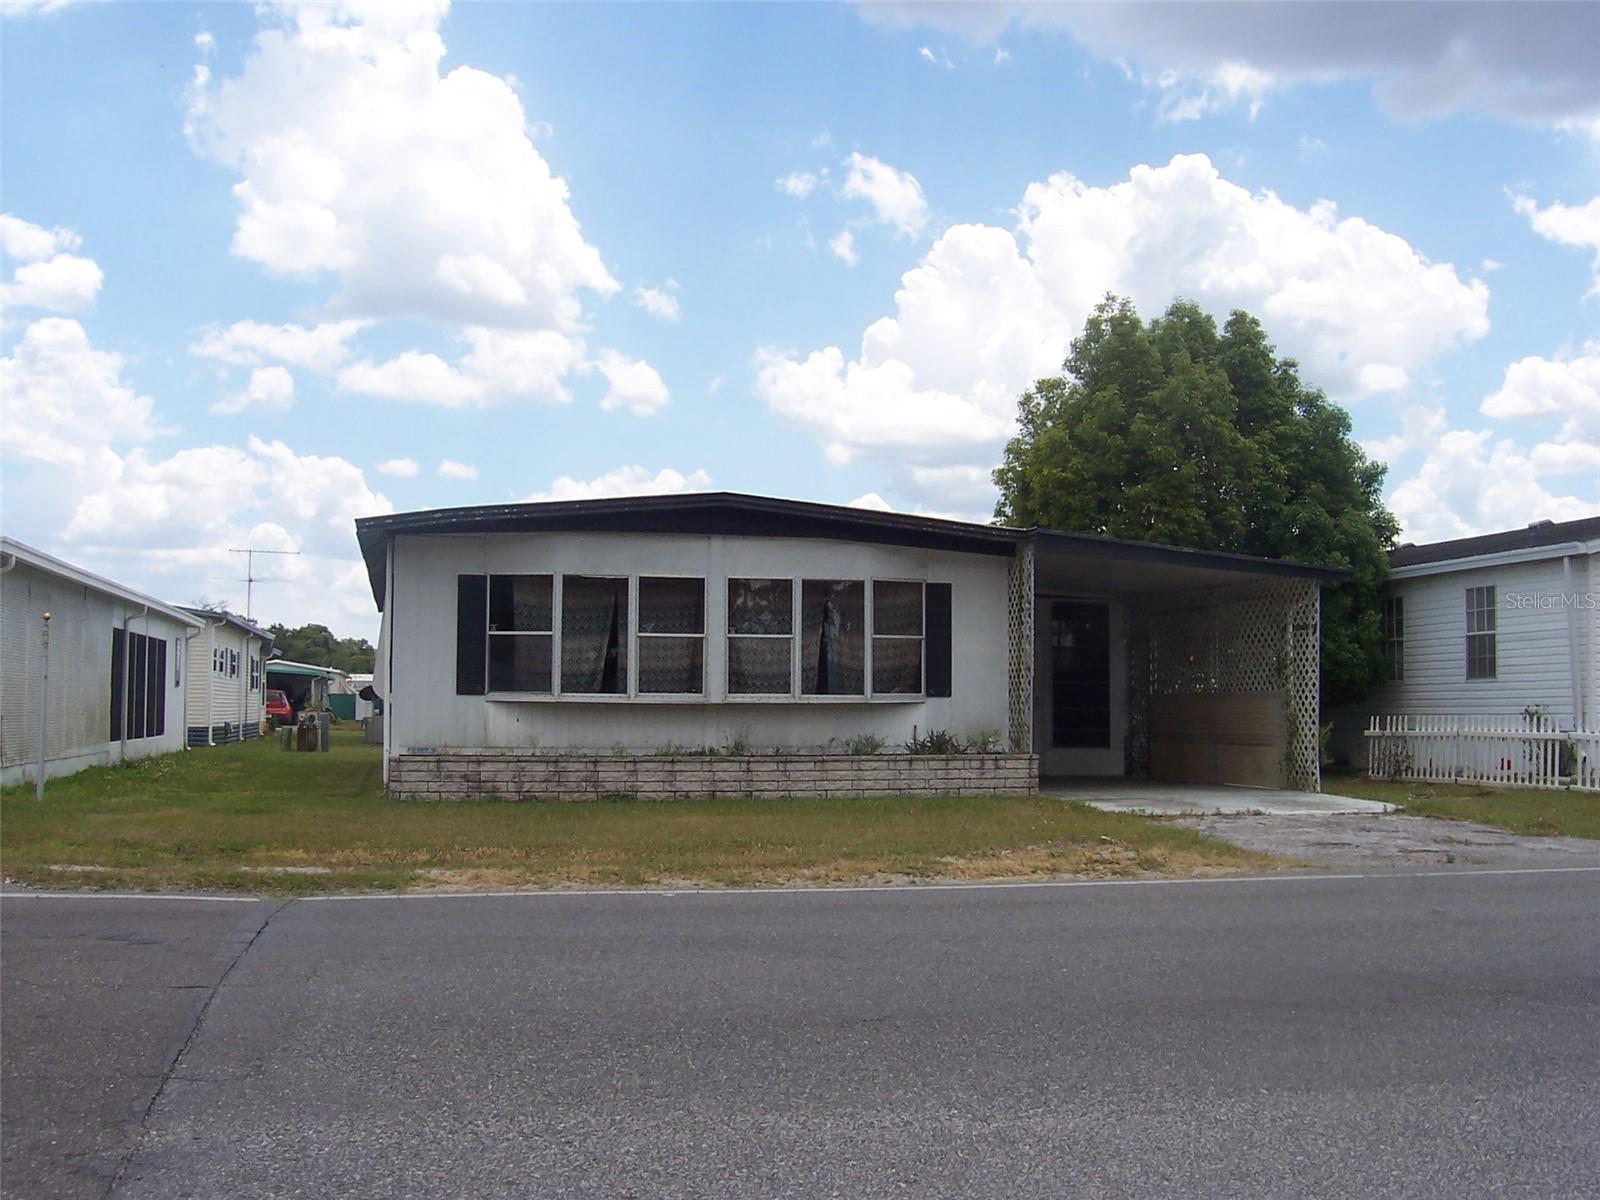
[[1393, 840]]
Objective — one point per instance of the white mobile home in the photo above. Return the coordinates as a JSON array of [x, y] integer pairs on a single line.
[[227, 679], [116, 682], [1490, 630], [637, 626]]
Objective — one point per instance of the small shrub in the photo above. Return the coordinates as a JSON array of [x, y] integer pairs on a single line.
[[935, 741], [985, 741], [863, 743]]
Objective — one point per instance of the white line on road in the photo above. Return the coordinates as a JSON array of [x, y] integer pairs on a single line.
[[580, 893]]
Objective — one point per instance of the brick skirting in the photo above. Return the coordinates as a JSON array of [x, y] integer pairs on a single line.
[[508, 775]]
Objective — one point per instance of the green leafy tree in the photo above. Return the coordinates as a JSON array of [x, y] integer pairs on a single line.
[[316, 644], [1175, 432]]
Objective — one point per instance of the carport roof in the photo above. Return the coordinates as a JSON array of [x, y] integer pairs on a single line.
[[741, 514]]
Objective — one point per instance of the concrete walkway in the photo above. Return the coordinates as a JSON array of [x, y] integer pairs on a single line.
[[1193, 799]]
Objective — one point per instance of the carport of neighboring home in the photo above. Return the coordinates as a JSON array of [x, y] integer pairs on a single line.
[[1166, 663]]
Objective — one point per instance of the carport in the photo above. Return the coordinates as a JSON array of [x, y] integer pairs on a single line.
[[1168, 664]]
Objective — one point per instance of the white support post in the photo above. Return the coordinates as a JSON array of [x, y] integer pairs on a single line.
[[44, 704]]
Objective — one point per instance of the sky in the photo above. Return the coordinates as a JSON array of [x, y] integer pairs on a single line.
[[268, 268]]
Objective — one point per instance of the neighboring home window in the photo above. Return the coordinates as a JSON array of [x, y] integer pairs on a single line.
[[138, 686], [672, 636], [1480, 633], [760, 637], [594, 635], [896, 637], [177, 662], [219, 660], [233, 664], [833, 637], [521, 632], [1394, 636], [255, 673]]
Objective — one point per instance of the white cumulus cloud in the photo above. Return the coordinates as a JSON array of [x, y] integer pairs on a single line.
[[501, 366], [633, 385], [843, 245], [895, 196], [988, 310], [63, 396], [270, 391], [47, 275], [1567, 225], [449, 468], [659, 302], [420, 191], [624, 481], [400, 468], [319, 347]]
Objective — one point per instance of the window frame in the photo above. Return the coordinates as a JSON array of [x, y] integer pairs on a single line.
[[921, 638], [1479, 615], [635, 633], [1392, 627], [557, 619], [791, 637], [553, 633]]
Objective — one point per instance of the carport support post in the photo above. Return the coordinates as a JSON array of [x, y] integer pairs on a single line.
[[44, 703]]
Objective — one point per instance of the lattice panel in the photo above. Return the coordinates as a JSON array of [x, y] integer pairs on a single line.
[[1019, 644], [1257, 637]]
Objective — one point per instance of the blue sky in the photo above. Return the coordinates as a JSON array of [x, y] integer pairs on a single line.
[[268, 269]]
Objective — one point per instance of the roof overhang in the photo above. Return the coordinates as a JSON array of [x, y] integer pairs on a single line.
[[740, 515], [224, 617], [49, 563]]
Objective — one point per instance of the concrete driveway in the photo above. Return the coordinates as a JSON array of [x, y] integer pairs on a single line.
[[1193, 799]]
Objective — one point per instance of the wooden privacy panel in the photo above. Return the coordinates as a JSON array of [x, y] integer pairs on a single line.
[[1236, 739], [1220, 646]]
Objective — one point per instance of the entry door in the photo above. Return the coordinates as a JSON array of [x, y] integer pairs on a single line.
[[1080, 674]]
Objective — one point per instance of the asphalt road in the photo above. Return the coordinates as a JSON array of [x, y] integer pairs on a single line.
[[1393, 1035]]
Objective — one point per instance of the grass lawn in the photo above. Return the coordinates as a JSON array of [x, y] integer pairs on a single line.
[[256, 818], [1517, 810]]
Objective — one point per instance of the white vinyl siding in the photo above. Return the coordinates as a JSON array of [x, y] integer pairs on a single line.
[[217, 696], [1533, 646]]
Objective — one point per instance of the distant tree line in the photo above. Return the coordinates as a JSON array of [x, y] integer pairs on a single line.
[[316, 644]]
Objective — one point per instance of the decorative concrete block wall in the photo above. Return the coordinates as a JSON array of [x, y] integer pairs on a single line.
[[505, 775]]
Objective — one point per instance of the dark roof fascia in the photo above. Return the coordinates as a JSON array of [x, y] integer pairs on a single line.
[[738, 514], [710, 513], [1533, 537], [228, 618], [1091, 546]]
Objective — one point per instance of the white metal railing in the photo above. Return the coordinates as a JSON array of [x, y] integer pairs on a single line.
[[1522, 751]]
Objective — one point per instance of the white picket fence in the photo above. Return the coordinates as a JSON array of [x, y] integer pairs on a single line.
[[1520, 751]]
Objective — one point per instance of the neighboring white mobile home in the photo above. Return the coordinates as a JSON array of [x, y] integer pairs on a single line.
[[116, 682], [1505, 625], [635, 626], [227, 692]]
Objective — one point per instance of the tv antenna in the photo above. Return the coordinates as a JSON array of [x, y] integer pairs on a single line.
[[251, 578]]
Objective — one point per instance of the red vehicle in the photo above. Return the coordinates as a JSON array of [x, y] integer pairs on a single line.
[[278, 707]]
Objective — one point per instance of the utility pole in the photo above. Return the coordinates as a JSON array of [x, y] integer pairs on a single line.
[[44, 703], [250, 578]]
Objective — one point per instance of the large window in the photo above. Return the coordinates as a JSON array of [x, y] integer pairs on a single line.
[[760, 637], [594, 635], [1394, 636], [672, 636], [833, 637], [521, 633], [1480, 633], [897, 628], [138, 686]]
